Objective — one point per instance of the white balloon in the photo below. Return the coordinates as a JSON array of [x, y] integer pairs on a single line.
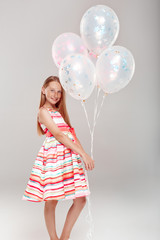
[[93, 57], [114, 68], [77, 76], [99, 28]]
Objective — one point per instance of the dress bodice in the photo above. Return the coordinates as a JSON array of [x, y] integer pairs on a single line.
[[59, 120]]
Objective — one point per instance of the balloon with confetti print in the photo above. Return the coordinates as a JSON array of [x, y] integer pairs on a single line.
[[99, 28], [93, 57], [77, 76], [114, 69], [65, 44]]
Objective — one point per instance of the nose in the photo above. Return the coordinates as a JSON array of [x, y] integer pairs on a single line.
[[55, 95]]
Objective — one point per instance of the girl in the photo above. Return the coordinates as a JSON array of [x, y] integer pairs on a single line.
[[58, 173]]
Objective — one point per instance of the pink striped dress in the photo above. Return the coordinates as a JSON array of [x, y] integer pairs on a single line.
[[58, 172]]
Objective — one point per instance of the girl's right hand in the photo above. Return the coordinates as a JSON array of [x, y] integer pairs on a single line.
[[88, 161]]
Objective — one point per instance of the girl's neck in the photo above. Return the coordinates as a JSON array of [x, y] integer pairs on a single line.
[[49, 106]]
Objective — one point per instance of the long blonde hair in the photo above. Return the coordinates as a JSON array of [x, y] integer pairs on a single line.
[[61, 105]]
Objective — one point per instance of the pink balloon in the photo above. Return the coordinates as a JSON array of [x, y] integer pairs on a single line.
[[67, 43]]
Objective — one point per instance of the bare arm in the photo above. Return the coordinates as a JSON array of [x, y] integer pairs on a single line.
[[45, 118], [78, 142]]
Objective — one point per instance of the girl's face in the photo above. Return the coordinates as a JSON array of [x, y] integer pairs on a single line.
[[53, 92]]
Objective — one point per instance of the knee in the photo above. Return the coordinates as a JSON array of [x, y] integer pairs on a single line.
[[80, 201], [51, 203]]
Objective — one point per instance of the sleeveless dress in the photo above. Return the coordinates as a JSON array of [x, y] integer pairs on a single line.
[[58, 172]]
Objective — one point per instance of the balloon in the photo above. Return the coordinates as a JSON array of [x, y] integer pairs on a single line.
[[77, 76], [65, 44], [114, 69], [99, 28], [93, 57]]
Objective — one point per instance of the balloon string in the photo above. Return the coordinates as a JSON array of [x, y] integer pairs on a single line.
[[89, 217], [95, 111], [100, 107], [86, 115], [96, 106]]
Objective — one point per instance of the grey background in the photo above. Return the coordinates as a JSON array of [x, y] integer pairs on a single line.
[[125, 182]]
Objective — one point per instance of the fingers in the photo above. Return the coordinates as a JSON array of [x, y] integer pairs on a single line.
[[89, 165]]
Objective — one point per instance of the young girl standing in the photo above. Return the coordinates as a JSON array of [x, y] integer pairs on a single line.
[[58, 173]]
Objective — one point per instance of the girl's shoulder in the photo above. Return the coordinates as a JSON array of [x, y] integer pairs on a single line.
[[41, 108], [40, 111]]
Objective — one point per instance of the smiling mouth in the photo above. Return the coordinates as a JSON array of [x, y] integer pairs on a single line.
[[54, 99]]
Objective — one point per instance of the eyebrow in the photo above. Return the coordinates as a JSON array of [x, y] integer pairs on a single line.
[[54, 89]]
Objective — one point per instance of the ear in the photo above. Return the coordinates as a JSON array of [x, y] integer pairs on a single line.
[[43, 90]]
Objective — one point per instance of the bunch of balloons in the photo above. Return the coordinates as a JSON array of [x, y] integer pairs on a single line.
[[92, 60]]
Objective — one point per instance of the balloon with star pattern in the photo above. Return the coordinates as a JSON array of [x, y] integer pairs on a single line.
[[77, 76]]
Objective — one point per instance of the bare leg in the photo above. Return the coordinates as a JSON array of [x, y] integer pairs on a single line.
[[72, 216], [49, 214]]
